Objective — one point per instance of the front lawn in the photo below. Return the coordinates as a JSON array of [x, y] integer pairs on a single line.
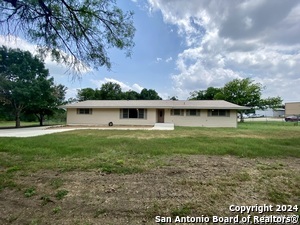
[[135, 175]]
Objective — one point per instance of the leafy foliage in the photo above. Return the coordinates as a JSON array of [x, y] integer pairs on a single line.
[[71, 31], [208, 94], [239, 91], [86, 94], [271, 102], [25, 86], [149, 94], [113, 91], [51, 96], [242, 92]]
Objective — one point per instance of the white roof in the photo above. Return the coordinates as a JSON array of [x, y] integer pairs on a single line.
[[157, 104]]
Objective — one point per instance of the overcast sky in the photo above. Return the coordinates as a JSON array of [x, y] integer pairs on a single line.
[[182, 46]]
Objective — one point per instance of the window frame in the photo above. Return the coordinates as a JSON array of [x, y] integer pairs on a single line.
[[140, 114], [197, 112], [218, 113], [84, 111], [181, 112]]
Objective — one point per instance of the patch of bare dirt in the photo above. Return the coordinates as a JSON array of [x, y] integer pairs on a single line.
[[187, 186]]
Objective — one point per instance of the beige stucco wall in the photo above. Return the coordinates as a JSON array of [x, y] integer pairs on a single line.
[[203, 120], [292, 108], [104, 116]]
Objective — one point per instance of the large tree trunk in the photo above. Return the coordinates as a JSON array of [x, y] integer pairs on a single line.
[[18, 122], [242, 118], [41, 120]]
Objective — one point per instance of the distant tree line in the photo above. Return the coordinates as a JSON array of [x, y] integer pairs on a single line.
[[242, 92], [113, 91]]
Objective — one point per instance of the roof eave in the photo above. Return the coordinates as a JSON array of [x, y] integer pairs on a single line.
[[152, 107]]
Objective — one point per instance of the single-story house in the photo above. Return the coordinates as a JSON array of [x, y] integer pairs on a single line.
[[269, 112], [194, 113], [292, 108]]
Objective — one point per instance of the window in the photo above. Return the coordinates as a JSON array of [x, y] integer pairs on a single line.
[[84, 111], [218, 112], [133, 113], [177, 112], [193, 112]]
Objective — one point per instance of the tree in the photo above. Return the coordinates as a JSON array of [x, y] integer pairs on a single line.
[[149, 94], [111, 91], [174, 98], [271, 102], [86, 94], [208, 94], [50, 97], [241, 92], [24, 82], [72, 31], [131, 95]]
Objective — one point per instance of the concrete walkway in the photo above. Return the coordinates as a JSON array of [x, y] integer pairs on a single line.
[[163, 126]]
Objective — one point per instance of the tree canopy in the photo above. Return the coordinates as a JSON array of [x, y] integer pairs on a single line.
[[25, 86], [208, 94], [113, 91], [72, 31], [239, 91], [49, 98]]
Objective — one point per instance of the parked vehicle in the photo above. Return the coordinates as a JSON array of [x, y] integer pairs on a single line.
[[292, 118], [253, 115], [245, 116], [259, 115]]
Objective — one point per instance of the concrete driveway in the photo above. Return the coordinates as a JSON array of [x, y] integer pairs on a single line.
[[30, 131], [37, 131]]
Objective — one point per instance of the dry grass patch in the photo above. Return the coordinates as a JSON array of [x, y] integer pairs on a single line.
[[186, 186]]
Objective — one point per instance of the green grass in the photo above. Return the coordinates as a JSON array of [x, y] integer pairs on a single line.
[[13, 124], [8, 124], [60, 194], [30, 192], [114, 151]]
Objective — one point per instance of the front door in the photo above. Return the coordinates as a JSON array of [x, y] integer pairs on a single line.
[[160, 115]]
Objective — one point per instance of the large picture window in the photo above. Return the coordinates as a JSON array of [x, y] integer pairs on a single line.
[[193, 112], [177, 112], [84, 111], [133, 113], [218, 112]]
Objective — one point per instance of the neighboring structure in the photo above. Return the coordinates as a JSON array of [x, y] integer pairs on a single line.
[[278, 112], [292, 108], [215, 113]]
